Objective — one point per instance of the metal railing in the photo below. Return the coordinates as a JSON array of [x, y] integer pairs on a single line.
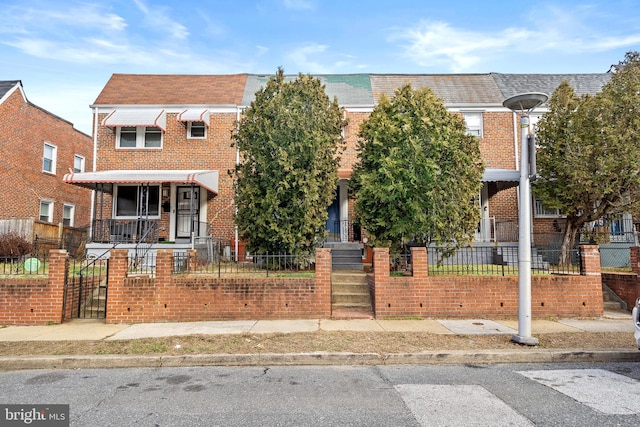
[[487, 261], [25, 265], [268, 264], [343, 231], [125, 231]]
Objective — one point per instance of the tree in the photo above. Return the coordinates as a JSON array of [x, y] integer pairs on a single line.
[[589, 152], [418, 173], [289, 140]]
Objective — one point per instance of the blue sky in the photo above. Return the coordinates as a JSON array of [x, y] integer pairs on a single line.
[[64, 51]]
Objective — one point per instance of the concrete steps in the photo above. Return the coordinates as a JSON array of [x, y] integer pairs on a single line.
[[350, 297], [612, 301], [345, 255]]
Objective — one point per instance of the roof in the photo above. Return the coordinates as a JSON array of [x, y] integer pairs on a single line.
[[205, 178], [451, 88], [350, 89], [513, 84], [6, 86], [489, 89], [173, 89]]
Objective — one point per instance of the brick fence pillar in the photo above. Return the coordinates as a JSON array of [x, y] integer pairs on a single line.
[[323, 279], [192, 260], [57, 275], [118, 267], [635, 259], [419, 261], [590, 260]]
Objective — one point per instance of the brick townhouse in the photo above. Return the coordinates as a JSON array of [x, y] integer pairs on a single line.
[[37, 148], [164, 148]]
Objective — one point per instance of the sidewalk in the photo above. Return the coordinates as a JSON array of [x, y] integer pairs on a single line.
[[97, 330]]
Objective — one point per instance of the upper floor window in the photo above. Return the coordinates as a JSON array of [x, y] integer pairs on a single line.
[[46, 210], [196, 130], [473, 120], [78, 163], [138, 137], [49, 158], [67, 214]]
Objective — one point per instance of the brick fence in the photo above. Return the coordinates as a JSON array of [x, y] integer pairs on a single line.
[[477, 296], [192, 297], [626, 285]]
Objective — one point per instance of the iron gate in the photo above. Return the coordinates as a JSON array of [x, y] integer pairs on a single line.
[[85, 289]]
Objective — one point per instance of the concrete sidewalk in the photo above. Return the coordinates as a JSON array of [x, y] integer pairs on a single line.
[[98, 330]]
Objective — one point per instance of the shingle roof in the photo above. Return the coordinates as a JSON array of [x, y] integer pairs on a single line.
[[451, 88], [350, 89], [514, 84], [6, 86], [172, 89]]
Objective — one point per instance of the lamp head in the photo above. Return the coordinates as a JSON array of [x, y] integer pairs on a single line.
[[525, 102]]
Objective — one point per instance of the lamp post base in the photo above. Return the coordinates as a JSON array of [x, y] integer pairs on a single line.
[[519, 339]]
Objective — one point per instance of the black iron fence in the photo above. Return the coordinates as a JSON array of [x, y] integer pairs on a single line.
[[25, 265], [267, 264], [487, 261]]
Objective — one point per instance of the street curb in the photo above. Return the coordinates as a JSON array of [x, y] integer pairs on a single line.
[[10, 363]]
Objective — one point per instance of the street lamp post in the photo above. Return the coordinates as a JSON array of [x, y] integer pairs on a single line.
[[523, 105]]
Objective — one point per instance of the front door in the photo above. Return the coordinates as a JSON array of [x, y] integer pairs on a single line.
[[333, 221], [187, 211]]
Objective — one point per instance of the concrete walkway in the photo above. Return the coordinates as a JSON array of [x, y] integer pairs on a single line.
[[98, 330]]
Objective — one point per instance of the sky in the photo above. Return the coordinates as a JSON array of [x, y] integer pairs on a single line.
[[64, 51]]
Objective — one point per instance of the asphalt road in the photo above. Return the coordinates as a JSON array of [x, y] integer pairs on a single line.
[[471, 395]]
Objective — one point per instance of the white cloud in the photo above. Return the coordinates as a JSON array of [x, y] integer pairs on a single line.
[[552, 31]]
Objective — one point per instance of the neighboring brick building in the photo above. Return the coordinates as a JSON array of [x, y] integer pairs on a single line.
[[164, 141], [37, 148]]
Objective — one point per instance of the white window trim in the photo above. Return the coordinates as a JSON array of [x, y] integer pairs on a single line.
[[50, 204], [480, 128], [537, 204], [53, 160], [115, 202], [189, 136], [82, 162], [73, 213], [140, 138]]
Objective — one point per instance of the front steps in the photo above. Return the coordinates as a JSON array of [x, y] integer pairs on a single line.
[[350, 297], [612, 301], [345, 255]]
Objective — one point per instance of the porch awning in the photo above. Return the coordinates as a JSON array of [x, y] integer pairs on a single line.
[[104, 180], [195, 115], [504, 178], [143, 117]]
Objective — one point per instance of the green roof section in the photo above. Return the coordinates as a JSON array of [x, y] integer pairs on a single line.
[[349, 89]]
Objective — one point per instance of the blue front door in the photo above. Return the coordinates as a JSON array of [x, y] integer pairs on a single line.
[[333, 221]]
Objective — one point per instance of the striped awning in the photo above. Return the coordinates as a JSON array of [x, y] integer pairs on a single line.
[[138, 117], [195, 115], [104, 180]]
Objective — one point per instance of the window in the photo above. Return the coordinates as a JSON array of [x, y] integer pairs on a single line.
[[46, 210], [67, 214], [137, 200], [49, 158], [543, 211], [78, 163], [474, 123], [196, 130], [138, 137]]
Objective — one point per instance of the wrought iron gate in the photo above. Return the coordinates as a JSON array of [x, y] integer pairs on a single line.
[[85, 289]]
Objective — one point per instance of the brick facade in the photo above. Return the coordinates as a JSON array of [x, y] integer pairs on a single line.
[[24, 129]]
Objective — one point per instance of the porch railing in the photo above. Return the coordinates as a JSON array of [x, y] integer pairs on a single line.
[[125, 231], [343, 231]]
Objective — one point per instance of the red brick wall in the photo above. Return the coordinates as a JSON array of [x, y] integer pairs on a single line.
[[24, 128], [459, 296], [34, 301], [171, 297], [626, 286]]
